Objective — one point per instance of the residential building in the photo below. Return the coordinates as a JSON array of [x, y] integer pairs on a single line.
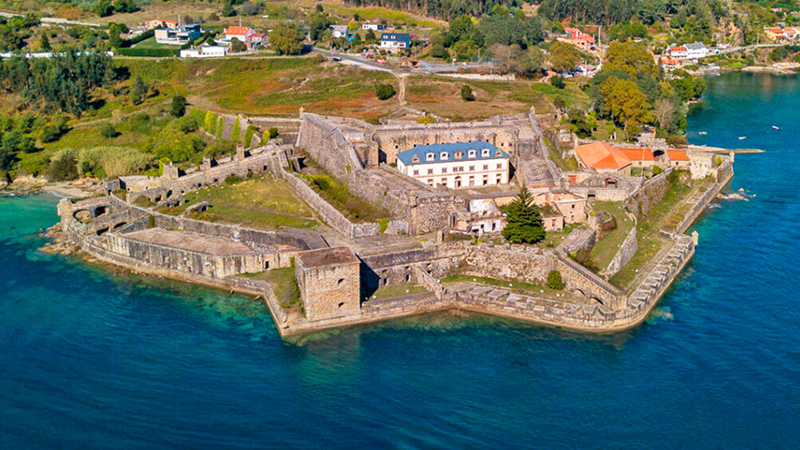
[[482, 216], [245, 35], [205, 51], [160, 23], [670, 64], [340, 31], [395, 41], [604, 158], [696, 50], [583, 40], [181, 35], [678, 52], [456, 165], [373, 26]]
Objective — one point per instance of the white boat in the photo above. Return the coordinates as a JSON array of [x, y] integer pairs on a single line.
[[775, 128], [741, 138], [703, 133]]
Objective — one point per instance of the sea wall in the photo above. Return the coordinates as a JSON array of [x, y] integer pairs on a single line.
[[394, 268]]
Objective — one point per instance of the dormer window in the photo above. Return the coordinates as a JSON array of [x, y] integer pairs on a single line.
[[429, 157], [459, 154], [472, 153], [443, 156], [485, 152], [499, 153], [415, 158]]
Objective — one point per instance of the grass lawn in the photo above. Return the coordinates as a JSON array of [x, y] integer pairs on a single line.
[[283, 284], [605, 248], [259, 202], [397, 290], [519, 287], [134, 131], [151, 43], [373, 13]]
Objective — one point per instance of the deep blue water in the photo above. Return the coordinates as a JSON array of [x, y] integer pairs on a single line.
[[93, 359]]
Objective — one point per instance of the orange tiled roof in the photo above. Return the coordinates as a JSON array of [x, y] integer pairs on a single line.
[[237, 30], [677, 155], [599, 155], [638, 154], [678, 49]]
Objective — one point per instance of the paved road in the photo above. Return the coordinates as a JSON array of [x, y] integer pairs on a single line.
[[364, 63]]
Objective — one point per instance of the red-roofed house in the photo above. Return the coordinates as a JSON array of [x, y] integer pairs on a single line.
[[677, 158], [161, 23], [245, 35], [603, 157], [677, 52], [579, 38]]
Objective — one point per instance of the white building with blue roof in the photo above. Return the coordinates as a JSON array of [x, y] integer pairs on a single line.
[[456, 165]]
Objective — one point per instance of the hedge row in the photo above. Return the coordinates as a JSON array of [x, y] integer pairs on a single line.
[[151, 52]]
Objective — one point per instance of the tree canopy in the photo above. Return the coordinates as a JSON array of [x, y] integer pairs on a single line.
[[524, 220], [287, 39]]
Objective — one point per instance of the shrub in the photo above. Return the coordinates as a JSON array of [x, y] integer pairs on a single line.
[[235, 130], [554, 280], [220, 147], [233, 179], [210, 122], [187, 124], [108, 131], [384, 91], [63, 169], [466, 93], [248, 136], [273, 133], [558, 82], [178, 108], [657, 170]]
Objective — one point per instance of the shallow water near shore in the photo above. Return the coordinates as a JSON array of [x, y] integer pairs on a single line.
[[97, 359]]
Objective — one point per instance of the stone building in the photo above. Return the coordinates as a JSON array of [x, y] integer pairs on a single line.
[[456, 165], [329, 282]]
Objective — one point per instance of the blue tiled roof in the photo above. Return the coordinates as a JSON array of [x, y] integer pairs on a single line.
[[421, 151], [399, 37]]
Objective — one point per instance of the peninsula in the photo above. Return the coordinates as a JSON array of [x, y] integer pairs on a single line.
[[410, 219]]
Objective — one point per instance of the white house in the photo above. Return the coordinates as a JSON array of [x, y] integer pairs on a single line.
[[245, 35], [340, 31], [456, 165], [373, 26], [696, 50], [206, 51], [395, 41]]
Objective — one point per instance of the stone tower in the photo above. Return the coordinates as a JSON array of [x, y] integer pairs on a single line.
[[330, 282]]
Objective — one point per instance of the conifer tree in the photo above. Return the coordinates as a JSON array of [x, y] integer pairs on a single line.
[[524, 220]]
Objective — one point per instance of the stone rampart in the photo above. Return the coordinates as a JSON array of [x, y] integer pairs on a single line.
[[507, 262], [588, 284], [398, 267], [626, 251], [641, 201]]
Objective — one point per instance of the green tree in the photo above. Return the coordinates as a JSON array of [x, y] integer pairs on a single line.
[[384, 91], [564, 57], [227, 9], [44, 43], [466, 93], [138, 91], [554, 280], [63, 169], [125, 6], [524, 220], [625, 102], [109, 131], [287, 39], [631, 58], [237, 46], [558, 82], [178, 108], [102, 8]]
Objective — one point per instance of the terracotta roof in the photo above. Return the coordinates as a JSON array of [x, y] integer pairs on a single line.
[[678, 49], [638, 154], [677, 155], [599, 155], [237, 30]]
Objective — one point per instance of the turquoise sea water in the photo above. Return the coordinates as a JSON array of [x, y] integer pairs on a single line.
[[92, 359]]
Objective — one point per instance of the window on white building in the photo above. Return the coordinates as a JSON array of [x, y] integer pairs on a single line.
[[444, 169], [500, 166], [416, 172], [443, 156], [472, 168], [430, 171], [459, 155], [472, 154], [499, 153], [429, 157], [485, 167], [485, 152]]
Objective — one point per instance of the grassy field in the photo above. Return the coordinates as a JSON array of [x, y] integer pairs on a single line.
[[442, 96], [340, 197], [270, 86], [375, 13], [605, 248], [259, 202], [398, 290], [565, 164]]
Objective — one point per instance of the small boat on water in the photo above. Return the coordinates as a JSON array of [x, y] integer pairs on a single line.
[[775, 128], [703, 133], [741, 138]]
